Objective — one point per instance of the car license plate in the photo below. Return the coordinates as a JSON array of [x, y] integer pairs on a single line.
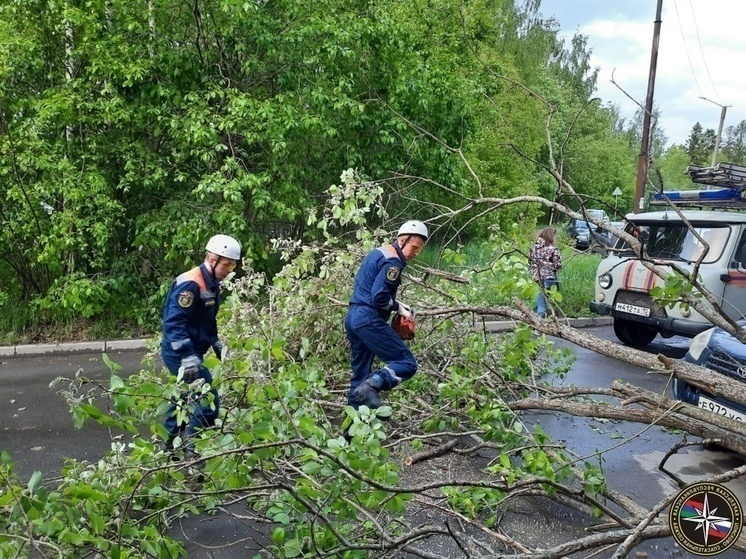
[[720, 409], [632, 309]]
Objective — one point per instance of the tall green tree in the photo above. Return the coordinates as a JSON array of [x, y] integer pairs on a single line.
[[672, 167], [700, 145], [131, 131], [633, 131], [734, 144], [134, 130]]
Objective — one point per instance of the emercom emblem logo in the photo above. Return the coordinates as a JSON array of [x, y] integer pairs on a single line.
[[705, 518]]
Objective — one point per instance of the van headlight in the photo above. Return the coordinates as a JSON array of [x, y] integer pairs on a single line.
[[604, 280], [699, 343]]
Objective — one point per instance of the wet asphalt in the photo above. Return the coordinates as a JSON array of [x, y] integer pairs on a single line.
[[36, 429]]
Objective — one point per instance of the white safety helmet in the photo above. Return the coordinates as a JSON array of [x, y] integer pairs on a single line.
[[225, 246], [413, 227]]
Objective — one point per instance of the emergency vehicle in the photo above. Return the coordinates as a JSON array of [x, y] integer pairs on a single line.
[[623, 283]]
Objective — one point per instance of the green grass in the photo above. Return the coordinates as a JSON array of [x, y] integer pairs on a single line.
[[578, 281], [577, 277]]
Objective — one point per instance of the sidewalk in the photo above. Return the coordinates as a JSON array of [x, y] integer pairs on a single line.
[[136, 344]]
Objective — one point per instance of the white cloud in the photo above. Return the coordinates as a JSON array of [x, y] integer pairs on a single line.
[[701, 36]]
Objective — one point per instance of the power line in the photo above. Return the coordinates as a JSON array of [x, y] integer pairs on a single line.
[[686, 49], [704, 59]]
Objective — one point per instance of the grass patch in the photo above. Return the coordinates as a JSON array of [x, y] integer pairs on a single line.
[[577, 277], [578, 281]]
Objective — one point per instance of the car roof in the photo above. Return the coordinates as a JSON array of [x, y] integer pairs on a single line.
[[691, 215]]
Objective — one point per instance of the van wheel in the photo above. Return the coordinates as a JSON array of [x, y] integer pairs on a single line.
[[632, 333]]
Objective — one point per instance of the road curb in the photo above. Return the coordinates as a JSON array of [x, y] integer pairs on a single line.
[[29, 350]]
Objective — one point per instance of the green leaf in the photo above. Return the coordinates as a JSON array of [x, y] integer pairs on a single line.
[[34, 483], [278, 535], [92, 411], [111, 364]]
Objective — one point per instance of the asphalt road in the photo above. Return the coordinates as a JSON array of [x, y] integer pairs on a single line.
[[36, 429], [632, 468]]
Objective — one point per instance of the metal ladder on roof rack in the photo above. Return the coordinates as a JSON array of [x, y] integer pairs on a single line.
[[728, 179], [726, 175]]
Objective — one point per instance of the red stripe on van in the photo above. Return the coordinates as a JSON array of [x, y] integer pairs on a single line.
[[650, 280], [629, 271]]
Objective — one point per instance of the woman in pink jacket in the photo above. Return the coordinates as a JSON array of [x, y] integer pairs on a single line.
[[544, 261]]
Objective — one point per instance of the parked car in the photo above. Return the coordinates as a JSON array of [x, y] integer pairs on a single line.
[[580, 231], [718, 350], [587, 234], [616, 225]]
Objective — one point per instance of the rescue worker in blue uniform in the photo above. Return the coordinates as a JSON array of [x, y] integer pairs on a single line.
[[367, 322], [190, 329]]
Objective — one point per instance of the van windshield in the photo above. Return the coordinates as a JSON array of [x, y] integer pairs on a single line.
[[676, 242]]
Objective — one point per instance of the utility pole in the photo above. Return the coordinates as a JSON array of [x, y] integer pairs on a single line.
[[723, 108], [642, 159]]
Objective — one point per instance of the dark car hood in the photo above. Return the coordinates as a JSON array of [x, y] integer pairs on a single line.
[[723, 341]]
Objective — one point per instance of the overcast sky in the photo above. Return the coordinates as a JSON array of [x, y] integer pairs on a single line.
[[702, 53]]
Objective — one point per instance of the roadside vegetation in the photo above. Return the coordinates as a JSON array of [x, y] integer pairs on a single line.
[[124, 147], [578, 275], [21, 326]]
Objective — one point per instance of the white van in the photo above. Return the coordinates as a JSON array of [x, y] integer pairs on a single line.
[[623, 283]]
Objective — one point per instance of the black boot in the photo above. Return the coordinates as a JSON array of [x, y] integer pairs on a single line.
[[168, 445], [367, 393], [191, 454]]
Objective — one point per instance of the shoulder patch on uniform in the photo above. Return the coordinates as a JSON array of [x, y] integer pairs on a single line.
[[392, 273], [185, 300]]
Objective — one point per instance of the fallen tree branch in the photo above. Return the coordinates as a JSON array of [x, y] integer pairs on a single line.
[[714, 382], [430, 453]]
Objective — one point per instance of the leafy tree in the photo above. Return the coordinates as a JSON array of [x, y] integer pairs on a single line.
[[672, 167], [598, 161], [734, 144], [633, 131], [700, 145], [132, 131]]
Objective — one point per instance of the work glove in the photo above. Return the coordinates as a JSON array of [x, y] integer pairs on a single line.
[[220, 349], [404, 310], [189, 370]]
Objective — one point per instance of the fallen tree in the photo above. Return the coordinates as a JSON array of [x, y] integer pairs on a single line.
[[279, 447]]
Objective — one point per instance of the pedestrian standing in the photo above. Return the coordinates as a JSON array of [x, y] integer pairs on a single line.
[[545, 262], [190, 329], [367, 322]]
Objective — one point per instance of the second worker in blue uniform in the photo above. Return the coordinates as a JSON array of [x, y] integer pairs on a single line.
[[367, 322]]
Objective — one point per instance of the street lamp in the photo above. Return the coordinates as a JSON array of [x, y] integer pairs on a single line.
[[720, 129]]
